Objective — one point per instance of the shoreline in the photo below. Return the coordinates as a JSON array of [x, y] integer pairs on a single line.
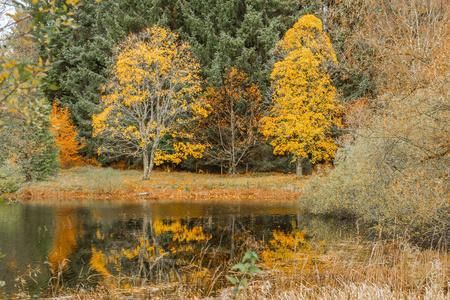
[[105, 184], [32, 195]]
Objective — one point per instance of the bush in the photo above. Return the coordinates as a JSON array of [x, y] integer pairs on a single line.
[[10, 178], [25, 138], [394, 174]]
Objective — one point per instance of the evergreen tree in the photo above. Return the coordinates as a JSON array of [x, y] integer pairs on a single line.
[[222, 34], [26, 140], [227, 33]]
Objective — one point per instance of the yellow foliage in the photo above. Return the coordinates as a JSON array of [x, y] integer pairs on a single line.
[[284, 247], [305, 108], [181, 233], [72, 2], [98, 262], [181, 152], [150, 97], [308, 33], [144, 247]]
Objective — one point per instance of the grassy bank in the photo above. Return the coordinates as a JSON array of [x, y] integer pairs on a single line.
[[89, 183]]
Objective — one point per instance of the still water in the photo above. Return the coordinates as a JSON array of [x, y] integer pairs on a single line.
[[46, 247]]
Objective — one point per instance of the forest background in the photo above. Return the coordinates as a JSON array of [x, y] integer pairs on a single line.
[[390, 76]]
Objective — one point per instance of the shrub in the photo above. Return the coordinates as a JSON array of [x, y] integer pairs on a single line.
[[395, 173], [10, 178]]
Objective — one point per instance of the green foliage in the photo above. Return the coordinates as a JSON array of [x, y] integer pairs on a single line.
[[354, 76], [10, 178], [237, 33], [26, 139], [40, 161], [262, 159], [26, 143], [79, 58], [244, 271]]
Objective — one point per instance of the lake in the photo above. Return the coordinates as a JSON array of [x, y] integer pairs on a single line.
[[44, 248]]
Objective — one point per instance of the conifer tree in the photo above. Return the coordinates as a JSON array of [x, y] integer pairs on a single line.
[[26, 143], [221, 33]]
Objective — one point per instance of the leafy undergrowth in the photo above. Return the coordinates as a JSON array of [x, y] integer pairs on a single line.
[[88, 183]]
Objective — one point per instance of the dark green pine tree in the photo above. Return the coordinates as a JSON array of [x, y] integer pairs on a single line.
[[241, 33]]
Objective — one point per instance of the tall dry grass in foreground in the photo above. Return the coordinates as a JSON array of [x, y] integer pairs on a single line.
[[351, 270], [90, 183], [386, 271]]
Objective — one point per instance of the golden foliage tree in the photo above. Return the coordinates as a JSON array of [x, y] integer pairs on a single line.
[[150, 100], [66, 137], [304, 106], [231, 128]]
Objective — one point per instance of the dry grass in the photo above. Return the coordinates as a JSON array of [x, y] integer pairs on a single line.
[[89, 183], [359, 271], [352, 270]]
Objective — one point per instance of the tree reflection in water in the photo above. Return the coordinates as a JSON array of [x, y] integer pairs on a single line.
[[170, 245], [134, 252]]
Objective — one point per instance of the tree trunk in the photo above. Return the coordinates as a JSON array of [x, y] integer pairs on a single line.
[[233, 136], [146, 166], [299, 167], [325, 15], [232, 169]]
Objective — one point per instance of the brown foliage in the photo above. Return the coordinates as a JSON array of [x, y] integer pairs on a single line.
[[409, 40], [392, 171], [231, 128], [107, 184]]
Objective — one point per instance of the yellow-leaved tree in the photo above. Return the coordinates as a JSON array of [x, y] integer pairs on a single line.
[[304, 99], [150, 100]]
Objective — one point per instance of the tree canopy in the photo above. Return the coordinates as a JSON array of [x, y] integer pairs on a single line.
[[150, 98]]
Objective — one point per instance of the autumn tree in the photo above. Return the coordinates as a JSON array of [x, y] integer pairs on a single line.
[[66, 137], [150, 100], [304, 106], [231, 128]]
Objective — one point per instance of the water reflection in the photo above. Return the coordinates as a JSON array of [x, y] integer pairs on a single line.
[[120, 246], [64, 240]]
